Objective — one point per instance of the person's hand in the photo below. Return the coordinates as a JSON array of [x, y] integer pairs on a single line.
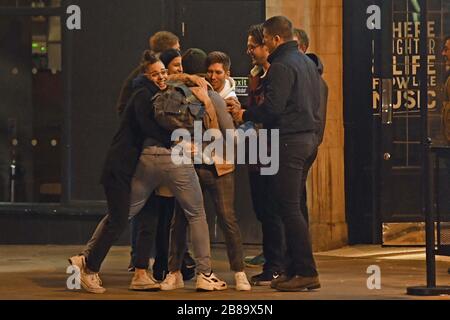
[[201, 94], [233, 105], [199, 81], [238, 116]]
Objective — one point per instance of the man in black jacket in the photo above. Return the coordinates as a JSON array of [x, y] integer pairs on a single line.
[[291, 105]]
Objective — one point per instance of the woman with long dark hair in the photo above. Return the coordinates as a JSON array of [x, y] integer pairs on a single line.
[[138, 162]]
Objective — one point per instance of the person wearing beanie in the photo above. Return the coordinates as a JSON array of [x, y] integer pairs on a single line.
[[218, 180], [172, 60], [194, 62]]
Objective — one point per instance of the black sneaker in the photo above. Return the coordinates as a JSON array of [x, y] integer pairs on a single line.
[[265, 278], [160, 275]]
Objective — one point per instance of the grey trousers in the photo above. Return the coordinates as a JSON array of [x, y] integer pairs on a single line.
[[156, 168], [221, 190]]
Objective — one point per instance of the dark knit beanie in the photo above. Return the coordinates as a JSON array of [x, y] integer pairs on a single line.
[[167, 56], [194, 62]]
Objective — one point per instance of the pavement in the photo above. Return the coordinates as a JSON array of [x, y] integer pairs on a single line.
[[39, 273]]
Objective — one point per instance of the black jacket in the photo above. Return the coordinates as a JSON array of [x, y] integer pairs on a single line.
[[292, 86], [137, 125], [127, 90], [323, 97]]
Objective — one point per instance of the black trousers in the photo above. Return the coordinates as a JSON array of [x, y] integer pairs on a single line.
[[146, 222], [304, 195], [271, 223], [274, 247], [166, 210], [114, 223], [296, 151]]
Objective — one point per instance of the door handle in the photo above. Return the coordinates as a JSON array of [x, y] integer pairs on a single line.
[[386, 101]]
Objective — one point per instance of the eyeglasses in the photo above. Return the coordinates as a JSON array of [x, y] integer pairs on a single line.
[[156, 75]]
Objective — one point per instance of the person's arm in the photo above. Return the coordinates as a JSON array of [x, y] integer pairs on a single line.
[[224, 118], [210, 119], [189, 80], [280, 81], [144, 113], [234, 106]]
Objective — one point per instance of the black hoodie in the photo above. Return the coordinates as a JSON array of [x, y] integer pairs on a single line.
[[137, 125], [323, 98]]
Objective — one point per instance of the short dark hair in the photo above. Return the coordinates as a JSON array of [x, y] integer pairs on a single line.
[[168, 56], [148, 58], [302, 37], [163, 41], [280, 26], [256, 32], [446, 38], [219, 57]]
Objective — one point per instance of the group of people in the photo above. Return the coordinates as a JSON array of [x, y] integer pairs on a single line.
[[161, 199]]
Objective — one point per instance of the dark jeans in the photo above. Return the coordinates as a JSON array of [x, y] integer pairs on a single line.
[[222, 191], [304, 196], [146, 224], [163, 207], [166, 208], [151, 207], [110, 228], [286, 187], [148, 212], [272, 226]]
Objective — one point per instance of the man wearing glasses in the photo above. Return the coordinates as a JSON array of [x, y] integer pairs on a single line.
[[272, 228], [291, 105]]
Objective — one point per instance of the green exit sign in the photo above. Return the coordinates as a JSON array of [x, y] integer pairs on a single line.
[[241, 86]]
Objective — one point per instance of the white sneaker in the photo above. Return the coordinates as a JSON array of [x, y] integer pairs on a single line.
[[90, 282], [210, 283], [242, 283], [80, 262], [144, 282], [173, 281]]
